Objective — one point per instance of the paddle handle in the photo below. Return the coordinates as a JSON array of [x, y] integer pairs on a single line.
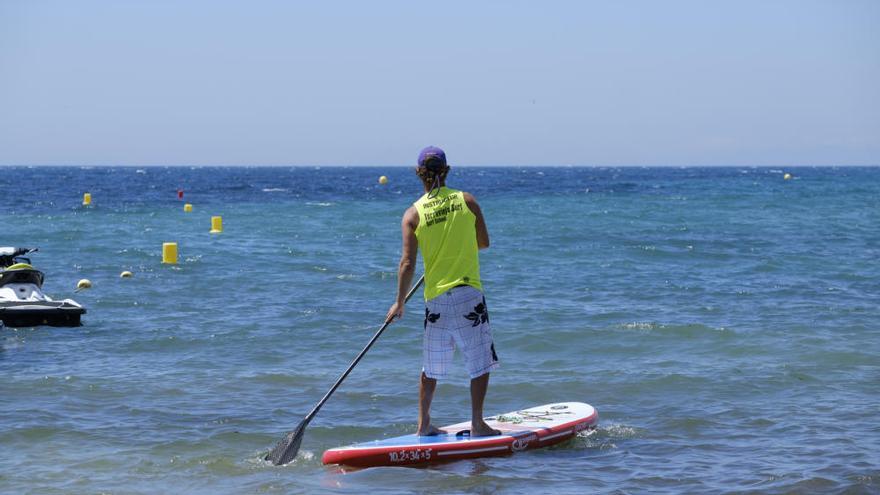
[[354, 363]]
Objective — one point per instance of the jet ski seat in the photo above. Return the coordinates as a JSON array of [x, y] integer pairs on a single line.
[[21, 273]]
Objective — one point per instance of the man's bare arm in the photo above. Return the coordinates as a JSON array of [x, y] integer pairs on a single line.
[[407, 267], [482, 232]]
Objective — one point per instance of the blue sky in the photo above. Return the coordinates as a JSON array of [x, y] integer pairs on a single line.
[[744, 82]]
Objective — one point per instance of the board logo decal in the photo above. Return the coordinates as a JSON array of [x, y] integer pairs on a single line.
[[583, 426], [414, 455], [522, 443]]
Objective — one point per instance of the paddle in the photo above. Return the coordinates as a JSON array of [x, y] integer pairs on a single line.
[[288, 446]]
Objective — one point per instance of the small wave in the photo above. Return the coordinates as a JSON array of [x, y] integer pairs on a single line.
[[681, 330], [301, 457], [639, 325], [275, 189], [617, 431], [319, 204], [604, 436]]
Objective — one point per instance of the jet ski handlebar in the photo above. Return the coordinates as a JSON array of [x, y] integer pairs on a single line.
[[14, 251], [8, 255]]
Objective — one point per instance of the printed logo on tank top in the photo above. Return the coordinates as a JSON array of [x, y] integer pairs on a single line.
[[437, 210]]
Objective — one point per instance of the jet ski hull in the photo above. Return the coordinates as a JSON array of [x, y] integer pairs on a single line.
[[36, 313], [22, 301]]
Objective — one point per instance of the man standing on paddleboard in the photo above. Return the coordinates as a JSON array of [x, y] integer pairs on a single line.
[[447, 226]]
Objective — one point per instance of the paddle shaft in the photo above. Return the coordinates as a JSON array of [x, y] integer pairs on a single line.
[[354, 363]]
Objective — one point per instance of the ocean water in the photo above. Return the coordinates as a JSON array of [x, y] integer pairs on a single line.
[[724, 322]]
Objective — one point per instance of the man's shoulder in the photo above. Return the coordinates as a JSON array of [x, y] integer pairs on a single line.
[[468, 197], [410, 217]]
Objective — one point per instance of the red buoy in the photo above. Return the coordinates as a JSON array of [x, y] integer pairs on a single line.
[[180, 194]]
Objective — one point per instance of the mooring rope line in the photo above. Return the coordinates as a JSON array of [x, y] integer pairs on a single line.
[[529, 415]]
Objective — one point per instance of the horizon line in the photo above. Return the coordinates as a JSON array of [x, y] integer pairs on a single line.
[[453, 165]]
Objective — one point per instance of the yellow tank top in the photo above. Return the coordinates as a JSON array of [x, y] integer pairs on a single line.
[[447, 236]]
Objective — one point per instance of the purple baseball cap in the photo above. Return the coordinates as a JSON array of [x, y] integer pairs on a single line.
[[432, 158]]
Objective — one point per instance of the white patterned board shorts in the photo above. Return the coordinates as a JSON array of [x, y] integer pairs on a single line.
[[458, 318]]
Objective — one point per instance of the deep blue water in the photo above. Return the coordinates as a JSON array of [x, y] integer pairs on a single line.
[[724, 322]]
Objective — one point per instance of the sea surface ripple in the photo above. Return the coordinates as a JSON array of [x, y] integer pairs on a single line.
[[724, 322]]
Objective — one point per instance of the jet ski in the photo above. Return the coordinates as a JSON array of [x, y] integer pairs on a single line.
[[22, 301]]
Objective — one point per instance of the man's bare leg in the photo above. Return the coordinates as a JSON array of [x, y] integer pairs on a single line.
[[479, 428], [426, 394]]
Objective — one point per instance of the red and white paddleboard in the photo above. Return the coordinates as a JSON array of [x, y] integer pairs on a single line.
[[531, 428]]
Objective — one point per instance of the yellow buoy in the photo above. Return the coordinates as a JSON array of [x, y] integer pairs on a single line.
[[125, 274], [383, 180], [84, 284], [169, 253], [216, 225], [786, 176], [87, 199], [187, 207]]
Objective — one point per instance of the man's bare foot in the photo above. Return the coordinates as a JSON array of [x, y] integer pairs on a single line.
[[481, 429], [431, 430]]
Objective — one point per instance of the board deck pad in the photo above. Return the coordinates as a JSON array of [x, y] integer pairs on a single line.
[[531, 428]]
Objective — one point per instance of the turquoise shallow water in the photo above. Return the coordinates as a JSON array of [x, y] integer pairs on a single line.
[[723, 321]]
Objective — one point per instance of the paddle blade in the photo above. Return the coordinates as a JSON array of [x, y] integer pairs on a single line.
[[287, 448]]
